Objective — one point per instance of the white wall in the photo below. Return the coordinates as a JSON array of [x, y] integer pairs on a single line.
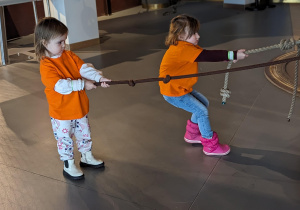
[[79, 16], [241, 2]]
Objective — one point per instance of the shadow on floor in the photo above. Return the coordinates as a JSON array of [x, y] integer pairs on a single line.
[[284, 163]]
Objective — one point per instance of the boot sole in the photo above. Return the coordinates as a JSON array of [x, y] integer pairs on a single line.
[[72, 177], [82, 164], [192, 141], [217, 154]]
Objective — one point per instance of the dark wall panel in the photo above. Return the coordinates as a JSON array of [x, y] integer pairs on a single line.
[[19, 19], [105, 7], [101, 7], [118, 5]]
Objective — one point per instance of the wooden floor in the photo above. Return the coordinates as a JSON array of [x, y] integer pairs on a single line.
[[140, 136]]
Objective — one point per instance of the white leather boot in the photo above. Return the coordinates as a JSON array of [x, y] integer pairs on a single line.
[[88, 160], [71, 171]]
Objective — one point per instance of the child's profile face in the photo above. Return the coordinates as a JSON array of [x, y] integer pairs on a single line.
[[193, 39], [57, 45]]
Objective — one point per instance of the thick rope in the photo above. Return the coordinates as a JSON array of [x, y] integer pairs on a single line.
[[166, 79], [295, 87], [285, 44], [225, 93]]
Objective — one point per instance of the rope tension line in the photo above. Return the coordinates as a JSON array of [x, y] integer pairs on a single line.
[[224, 92], [166, 79]]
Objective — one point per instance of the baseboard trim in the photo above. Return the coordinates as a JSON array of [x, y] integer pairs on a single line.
[[236, 6], [83, 44], [155, 6]]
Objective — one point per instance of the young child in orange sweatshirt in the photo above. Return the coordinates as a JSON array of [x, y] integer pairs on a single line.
[[182, 58], [66, 78]]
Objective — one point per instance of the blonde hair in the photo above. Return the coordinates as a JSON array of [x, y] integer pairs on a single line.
[[48, 28], [181, 25]]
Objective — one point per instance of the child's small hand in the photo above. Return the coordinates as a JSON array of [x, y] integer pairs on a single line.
[[240, 55], [103, 81], [89, 85]]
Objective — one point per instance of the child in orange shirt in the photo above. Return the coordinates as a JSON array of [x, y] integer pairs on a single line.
[[66, 77], [181, 58]]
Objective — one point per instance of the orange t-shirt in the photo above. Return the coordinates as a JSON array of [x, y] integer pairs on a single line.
[[179, 60], [64, 107]]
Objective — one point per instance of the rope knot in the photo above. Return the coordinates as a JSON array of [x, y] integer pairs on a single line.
[[225, 93], [131, 83], [286, 44], [167, 79]]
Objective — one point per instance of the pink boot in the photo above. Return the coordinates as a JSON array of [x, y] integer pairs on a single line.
[[192, 134], [213, 147]]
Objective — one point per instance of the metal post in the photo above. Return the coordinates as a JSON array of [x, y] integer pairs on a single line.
[[35, 12], [3, 39]]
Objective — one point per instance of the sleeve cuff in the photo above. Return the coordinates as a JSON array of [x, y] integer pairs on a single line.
[[232, 55], [77, 85], [98, 77]]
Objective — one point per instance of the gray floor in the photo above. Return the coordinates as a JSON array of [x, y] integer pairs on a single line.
[[140, 136]]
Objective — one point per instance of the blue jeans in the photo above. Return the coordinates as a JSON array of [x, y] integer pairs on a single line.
[[195, 103]]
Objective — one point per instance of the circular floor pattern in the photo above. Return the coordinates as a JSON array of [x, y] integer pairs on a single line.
[[282, 75]]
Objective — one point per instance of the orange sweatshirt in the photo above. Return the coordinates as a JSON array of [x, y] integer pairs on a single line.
[[64, 107], [179, 60]]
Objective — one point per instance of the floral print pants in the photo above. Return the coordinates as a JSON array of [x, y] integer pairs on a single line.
[[64, 130]]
